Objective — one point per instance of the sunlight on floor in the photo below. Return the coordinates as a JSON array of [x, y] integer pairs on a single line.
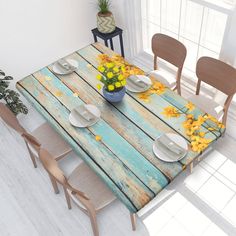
[[198, 204]]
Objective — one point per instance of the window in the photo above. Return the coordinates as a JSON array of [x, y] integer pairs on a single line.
[[199, 24]]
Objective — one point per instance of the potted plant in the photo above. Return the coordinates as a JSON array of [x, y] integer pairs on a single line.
[[11, 98], [113, 74], [105, 19]]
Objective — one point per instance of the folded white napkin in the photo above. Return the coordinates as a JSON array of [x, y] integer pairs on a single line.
[[84, 113], [65, 65], [135, 80], [170, 148]]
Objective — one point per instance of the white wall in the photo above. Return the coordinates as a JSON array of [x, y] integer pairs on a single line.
[[35, 33]]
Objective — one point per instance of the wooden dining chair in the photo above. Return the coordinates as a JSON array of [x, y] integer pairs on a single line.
[[82, 186], [43, 136], [220, 76], [172, 51]]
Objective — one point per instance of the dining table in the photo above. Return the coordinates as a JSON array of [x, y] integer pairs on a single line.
[[123, 156]]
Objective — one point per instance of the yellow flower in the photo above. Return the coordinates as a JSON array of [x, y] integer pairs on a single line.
[[101, 69], [212, 118], [109, 65], [103, 58], [48, 78], [76, 95], [116, 69], [144, 97], [211, 129], [111, 87], [221, 126], [123, 69], [190, 116], [89, 66], [123, 82], [201, 134], [157, 88], [190, 106], [171, 112], [59, 93], [99, 86], [201, 119], [99, 77], [199, 144], [118, 84], [98, 138], [120, 77], [110, 75]]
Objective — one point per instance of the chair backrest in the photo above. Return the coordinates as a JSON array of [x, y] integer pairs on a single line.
[[10, 119], [169, 49], [219, 75], [51, 166]]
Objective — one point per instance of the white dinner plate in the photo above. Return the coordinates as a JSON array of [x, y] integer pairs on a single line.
[[76, 121], [135, 89], [173, 158], [60, 71]]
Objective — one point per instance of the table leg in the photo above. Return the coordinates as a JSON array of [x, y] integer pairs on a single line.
[[95, 38], [111, 43], [191, 168], [106, 43], [133, 221], [121, 45]]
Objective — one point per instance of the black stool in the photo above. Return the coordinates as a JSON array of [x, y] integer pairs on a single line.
[[109, 37]]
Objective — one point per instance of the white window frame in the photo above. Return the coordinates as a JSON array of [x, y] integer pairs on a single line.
[[137, 54]]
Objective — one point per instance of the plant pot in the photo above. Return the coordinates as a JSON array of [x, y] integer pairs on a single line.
[[105, 23], [116, 96]]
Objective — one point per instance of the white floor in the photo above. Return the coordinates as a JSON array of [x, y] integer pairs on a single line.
[[203, 203]]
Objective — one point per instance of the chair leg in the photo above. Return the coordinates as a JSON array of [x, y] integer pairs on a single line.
[[179, 88], [32, 156], [54, 184], [67, 196], [93, 220], [133, 221]]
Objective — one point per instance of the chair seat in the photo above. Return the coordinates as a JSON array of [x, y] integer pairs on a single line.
[[208, 105], [85, 180], [51, 141], [164, 77]]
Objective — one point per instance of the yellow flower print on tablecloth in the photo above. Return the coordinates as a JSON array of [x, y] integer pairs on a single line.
[[171, 112], [190, 106], [156, 88], [193, 127]]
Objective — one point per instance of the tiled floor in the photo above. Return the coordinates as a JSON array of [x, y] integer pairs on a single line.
[[200, 204], [203, 203]]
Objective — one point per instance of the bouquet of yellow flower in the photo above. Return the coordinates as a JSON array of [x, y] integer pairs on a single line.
[[114, 72]]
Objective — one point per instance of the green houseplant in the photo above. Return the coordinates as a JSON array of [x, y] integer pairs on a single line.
[[10, 97], [105, 19]]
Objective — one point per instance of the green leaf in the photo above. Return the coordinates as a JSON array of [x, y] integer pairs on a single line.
[[11, 97]]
